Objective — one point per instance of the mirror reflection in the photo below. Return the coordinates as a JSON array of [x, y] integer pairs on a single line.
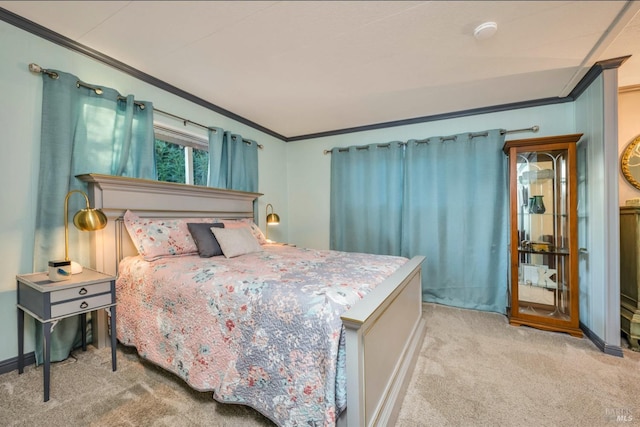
[[630, 162]]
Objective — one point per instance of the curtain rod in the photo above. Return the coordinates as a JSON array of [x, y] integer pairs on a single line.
[[534, 128], [187, 121], [35, 68], [99, 91]]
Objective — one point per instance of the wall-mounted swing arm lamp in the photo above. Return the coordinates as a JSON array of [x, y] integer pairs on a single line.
[[87, 219], [272, 219]]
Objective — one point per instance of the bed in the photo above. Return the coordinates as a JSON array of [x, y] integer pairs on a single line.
[[371, 349]]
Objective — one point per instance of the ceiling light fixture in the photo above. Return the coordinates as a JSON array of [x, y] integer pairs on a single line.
[[485, 30]]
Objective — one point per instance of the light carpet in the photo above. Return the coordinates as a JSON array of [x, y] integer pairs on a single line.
[[474, 369]]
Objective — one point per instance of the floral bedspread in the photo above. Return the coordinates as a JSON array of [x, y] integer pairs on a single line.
[[262, 329]]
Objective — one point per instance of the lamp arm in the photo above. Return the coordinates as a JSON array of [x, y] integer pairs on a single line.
[[266, 223], [271, 218], [66, 220]]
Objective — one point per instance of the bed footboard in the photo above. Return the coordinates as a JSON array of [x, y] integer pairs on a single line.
[[384, 333]]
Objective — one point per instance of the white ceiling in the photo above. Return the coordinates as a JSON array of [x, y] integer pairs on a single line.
[[304, 67]]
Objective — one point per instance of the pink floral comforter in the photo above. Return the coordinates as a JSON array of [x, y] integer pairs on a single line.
[[262, 329]]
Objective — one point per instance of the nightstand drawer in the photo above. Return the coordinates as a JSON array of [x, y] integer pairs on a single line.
[[80, 291], [66, 308], [49, 301]]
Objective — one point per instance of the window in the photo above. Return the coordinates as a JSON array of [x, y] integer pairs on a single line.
[[181, 157]]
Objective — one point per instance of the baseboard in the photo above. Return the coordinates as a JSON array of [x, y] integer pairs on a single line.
[[613, 350], [12, 364]]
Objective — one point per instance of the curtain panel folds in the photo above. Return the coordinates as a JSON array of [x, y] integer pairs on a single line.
[[451, 206], [233, 161], [82, 132], [366, 199]]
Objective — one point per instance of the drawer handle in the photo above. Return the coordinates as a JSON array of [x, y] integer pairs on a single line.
[[84, 304], [82, 291]]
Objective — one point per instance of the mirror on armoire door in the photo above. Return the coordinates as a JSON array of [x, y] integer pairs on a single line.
[[630, 162]]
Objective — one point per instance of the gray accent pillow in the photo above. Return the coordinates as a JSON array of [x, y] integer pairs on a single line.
[[236, 241], [205, 240]]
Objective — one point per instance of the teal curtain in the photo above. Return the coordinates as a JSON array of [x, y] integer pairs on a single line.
[[217, 176], [233, 161], [82, 132], [444, 198], [242, 157], [456, 215], [366, 198]]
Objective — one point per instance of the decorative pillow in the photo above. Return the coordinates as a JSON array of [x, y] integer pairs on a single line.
[[205, 240], [257, 233], [157, 238], [236, 241], [246, 222]]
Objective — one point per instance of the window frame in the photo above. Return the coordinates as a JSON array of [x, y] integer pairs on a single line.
[[188, 140]]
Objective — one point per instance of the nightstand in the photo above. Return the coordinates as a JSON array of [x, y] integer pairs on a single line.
[[48, 302]]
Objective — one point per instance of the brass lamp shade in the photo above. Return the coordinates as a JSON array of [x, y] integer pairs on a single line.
[[272, 219], [87, 219]]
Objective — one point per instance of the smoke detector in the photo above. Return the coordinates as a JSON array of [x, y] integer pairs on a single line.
[[485, 30]]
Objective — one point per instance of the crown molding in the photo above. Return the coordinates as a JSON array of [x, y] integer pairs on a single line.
[[436, 117], [629, 89], [63, 41], [594, 72], [59, 39]]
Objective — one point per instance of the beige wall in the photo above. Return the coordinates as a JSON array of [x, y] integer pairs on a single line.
[[628, 130]]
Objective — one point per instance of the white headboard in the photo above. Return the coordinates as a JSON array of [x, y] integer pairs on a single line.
[[153, 199]]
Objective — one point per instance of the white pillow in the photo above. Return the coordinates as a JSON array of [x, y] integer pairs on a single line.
[[245, 222], [236, 241]]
